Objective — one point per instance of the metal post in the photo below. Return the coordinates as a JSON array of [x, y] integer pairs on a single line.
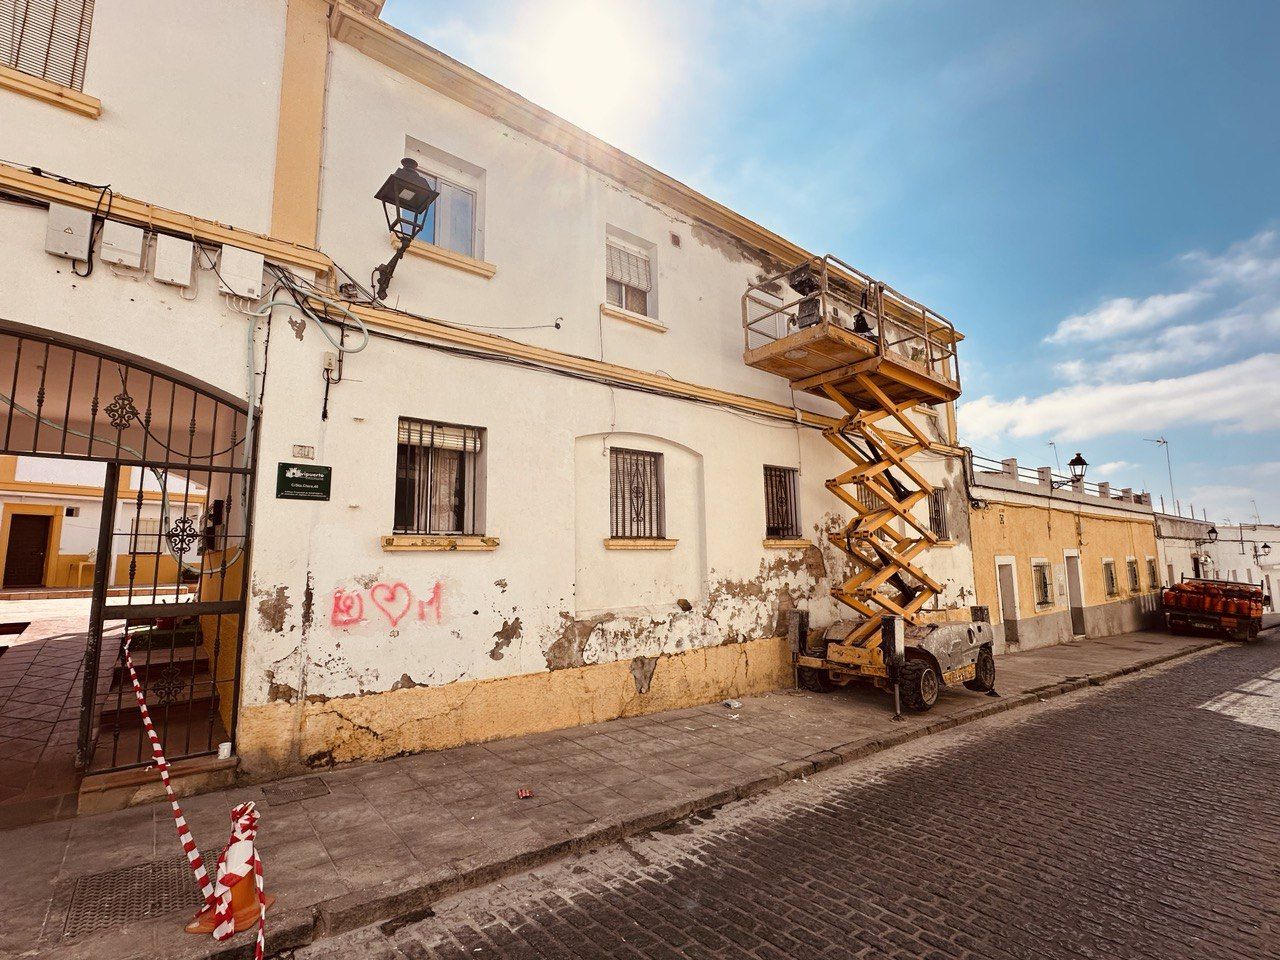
[[93, 646]]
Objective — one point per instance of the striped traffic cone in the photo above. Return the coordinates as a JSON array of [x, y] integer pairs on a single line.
[[240, 900]]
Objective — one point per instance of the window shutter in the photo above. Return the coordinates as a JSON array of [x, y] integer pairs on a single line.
[[627, 267], [46, 38], [419, 433]]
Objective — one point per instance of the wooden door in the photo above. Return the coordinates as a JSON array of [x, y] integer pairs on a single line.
[[28, 550]]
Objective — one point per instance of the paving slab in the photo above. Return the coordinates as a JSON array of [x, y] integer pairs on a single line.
[[384, 840]]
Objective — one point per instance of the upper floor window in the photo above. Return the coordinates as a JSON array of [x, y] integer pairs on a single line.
[[781, 518], [637, 507], [628, 279], [938, 524], [438, 478], [451, 220], [46, 38]]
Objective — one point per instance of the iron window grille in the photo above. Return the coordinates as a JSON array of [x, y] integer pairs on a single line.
[[1044, 593], [781, 518], [637, 507], [627, 279], [1109, 578], [1134, 583], [872, 501], [47, 38], [938, 514], [1153, 577], [437, 478]]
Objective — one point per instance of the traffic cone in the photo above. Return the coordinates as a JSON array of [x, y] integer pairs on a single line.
[[239, 899]]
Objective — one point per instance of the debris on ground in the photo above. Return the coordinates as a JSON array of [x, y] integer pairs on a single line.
[[733, 704]]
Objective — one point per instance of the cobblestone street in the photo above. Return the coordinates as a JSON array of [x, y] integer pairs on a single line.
[[1135, 821]]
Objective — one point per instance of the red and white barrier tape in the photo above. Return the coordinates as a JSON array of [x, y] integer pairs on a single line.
[[157, 752], [238, 858]]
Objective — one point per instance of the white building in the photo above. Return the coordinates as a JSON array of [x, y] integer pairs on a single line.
[[547, 501]]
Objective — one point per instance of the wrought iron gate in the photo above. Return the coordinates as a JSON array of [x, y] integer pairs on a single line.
[[173, 540]]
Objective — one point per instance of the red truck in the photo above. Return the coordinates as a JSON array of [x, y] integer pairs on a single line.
[[1221, 607]]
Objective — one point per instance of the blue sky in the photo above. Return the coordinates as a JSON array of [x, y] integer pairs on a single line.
[[1091, 191]]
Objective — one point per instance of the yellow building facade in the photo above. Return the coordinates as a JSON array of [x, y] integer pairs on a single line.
[[1055, 559]]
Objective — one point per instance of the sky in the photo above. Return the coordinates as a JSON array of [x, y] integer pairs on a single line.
[[1090, 191]]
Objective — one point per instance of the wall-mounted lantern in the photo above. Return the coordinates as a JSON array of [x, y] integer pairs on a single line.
[[406, 200], [1077, 465]]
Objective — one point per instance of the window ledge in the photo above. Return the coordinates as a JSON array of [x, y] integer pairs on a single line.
[[404, 542], [787, 543], [639, 319], [638, 543], [448, 258], [945, 543], [48, 92]]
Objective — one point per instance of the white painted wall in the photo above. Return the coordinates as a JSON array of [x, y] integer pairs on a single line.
[[190, 97], [431, 618]]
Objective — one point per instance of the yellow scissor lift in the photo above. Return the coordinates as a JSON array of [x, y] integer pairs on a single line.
[[835, 332]]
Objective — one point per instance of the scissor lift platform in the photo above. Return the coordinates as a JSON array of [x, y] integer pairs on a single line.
[[832, 331]]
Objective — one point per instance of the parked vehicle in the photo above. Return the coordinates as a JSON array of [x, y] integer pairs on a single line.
[[1221, 607]]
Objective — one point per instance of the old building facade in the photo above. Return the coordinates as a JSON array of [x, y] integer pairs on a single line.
[[1058, 558], [533, 487]]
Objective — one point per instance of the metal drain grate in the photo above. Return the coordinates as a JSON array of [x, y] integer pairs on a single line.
[[306, 788], [151, 889]]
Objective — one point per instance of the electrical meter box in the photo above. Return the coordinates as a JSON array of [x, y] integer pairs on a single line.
[[68, 232], [122, 244], [173, 260], [240, 272]]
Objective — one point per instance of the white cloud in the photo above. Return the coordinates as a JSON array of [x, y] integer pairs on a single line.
[[1124, 315], [1111, 468], [1239, 396]]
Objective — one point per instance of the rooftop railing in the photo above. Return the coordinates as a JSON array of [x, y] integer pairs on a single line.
[[1046, 476]]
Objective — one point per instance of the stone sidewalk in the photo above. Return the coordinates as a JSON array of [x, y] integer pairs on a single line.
[[348, 847]]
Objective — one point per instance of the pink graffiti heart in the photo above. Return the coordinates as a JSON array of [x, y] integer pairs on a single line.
[[392, 599]]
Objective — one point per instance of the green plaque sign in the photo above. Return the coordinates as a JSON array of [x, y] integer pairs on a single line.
[[303, 481]]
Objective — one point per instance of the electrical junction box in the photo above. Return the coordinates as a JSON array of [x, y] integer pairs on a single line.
[[173, 260], [68, 232], [240, 272], [122, 244]]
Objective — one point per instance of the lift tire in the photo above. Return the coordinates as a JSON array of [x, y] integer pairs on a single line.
[[920, 685], [811, 678], [984, 678]]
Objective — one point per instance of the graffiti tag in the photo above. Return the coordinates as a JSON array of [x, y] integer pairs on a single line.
[[393, 600]]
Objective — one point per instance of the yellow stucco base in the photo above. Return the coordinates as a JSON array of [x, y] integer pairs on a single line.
[[281, 736]]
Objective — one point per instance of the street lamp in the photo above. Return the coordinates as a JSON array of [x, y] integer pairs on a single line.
[[1212, 534], [1077, 465], [406, 199]]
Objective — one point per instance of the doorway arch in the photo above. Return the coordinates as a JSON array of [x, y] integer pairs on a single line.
[[169, 567]]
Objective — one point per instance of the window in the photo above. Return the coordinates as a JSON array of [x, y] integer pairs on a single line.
[[627, 277], [46, 38], [1153, 578], [636, 507], [781, 519], [1135, 584], [437, 478], [938, 514], [1109, 578], [868, 499], [1040, 577], [451, 220]]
